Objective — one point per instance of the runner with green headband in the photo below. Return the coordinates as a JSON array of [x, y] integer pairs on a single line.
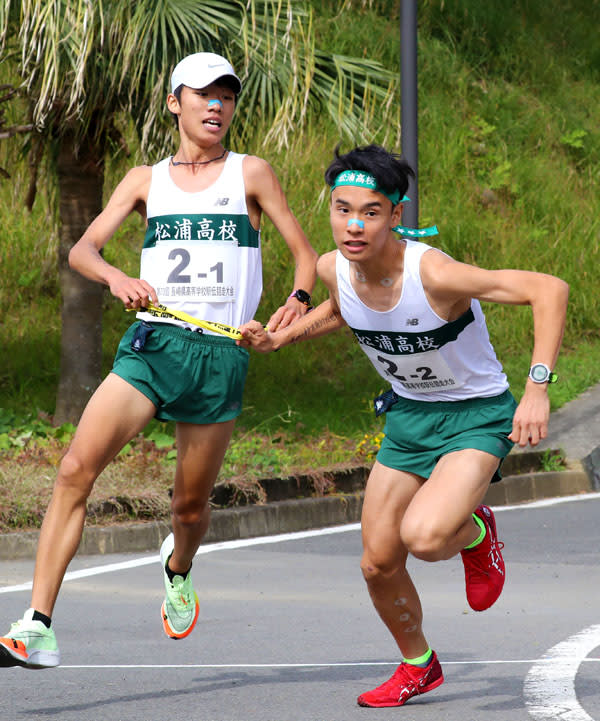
[[450, 417], [366, 180]]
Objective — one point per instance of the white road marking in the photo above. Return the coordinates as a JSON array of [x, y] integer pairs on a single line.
[[549, 687], [245, 665], [544, 502], [208, 548], [261, 540], [445, 663]]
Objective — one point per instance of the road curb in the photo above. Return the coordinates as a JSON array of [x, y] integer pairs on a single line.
[[537, 486], [287, 516]]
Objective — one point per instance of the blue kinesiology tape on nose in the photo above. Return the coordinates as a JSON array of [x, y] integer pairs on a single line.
[[214, 101], [353, 221]]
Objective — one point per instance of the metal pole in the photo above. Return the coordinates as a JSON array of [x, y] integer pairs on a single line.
[[409, 105]]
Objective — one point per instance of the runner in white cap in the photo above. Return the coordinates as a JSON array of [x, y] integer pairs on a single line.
[[201, 69], [201, 256]]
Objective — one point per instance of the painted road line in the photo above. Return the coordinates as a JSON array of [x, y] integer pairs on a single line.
[[183, 666], [262, 540], [549, 687], [545, 502], [208, 548]]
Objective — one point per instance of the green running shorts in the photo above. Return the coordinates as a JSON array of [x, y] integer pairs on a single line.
[[190, 377], [419, 433]]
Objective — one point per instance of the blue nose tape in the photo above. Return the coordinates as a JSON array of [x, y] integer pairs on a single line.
[[214, 101], [356, 221]]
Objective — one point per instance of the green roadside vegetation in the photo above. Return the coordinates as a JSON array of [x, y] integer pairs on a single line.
[[509, 171]]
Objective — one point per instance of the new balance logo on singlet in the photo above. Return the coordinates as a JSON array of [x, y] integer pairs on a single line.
[[221, 201]]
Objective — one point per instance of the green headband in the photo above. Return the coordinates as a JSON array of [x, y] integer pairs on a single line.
[[362, 179], [365, 180]]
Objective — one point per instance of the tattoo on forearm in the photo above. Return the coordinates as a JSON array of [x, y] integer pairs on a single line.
[[317, 325]]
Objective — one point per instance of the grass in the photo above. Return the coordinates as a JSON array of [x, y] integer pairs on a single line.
[[552, 461], [509, 170], [137, 484]]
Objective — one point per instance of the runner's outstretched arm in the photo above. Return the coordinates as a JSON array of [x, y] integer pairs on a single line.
[[325, 318]]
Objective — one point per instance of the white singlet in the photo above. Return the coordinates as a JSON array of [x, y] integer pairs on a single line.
[[201, 253], [423, 356]]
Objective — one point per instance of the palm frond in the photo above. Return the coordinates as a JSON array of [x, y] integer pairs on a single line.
[[84, 61]]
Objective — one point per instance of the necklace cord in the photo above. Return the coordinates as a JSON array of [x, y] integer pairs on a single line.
[[197, 162]]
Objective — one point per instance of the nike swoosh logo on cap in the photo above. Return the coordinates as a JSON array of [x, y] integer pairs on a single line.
[[217, 65]]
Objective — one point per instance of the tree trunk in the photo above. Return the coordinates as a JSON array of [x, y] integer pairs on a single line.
[[80, 181], [34, 158]]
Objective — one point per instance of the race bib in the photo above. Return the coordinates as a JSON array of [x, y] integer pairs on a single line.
[[413, 359], [418, 373], [203, 272]]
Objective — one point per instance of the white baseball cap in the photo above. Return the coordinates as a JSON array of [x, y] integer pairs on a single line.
[[201, 69]]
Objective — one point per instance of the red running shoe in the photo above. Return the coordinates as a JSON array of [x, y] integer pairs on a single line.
[[407, 681], [484, 565]]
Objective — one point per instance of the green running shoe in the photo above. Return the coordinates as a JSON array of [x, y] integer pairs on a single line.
[[29, 644], [181, 607]]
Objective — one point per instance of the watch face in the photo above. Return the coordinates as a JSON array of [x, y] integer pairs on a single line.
[[539, 373], [302, 296]]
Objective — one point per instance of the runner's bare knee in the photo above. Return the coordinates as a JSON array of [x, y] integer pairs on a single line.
[[377, 567], [424, 539], [189, 511], [74, 476]]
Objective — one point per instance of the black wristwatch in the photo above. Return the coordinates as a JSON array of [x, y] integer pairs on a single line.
[[540, 373], [302, 296]]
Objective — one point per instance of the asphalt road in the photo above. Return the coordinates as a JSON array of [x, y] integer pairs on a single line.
[[287, 633]]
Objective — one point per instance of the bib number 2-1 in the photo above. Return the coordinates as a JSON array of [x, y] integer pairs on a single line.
[[206, 272]]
